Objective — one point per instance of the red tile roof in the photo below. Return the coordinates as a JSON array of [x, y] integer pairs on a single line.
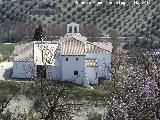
[[25, 54], [72, 47]]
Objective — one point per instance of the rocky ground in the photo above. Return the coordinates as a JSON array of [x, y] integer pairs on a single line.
[[22, 105]]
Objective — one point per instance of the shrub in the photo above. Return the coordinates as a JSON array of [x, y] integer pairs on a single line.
[[79, 1], [83, 18], [94, 116], [79, 16], [133, 14], [88, 15], [109, 24], [153, 23], [95, 22], [74, 12], [104, 28], [34, 18], [64, 13], [59, 1], [63, 19], [149, 22], [99, 20], [158, 20], [69, 8], [7, 115], [84, 5], [68, 16], [83, 13], [128, 13], [73, 19], [74, 5], [143, 26], [65, 5], [49, 21], [79, 9], [153, 6]]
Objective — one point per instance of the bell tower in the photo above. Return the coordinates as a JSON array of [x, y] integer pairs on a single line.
[[73, 28]]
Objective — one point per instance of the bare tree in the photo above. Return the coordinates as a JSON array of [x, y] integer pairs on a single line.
[[52, 100], [8, 91]]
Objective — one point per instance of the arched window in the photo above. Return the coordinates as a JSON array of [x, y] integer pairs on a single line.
[[75, 29], [70, 29]]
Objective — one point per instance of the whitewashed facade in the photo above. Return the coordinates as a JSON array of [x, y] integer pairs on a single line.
[[103, 63], [92, 70], [73, 68], [23, 65], [54, 72], [23, 69], [72, 58]]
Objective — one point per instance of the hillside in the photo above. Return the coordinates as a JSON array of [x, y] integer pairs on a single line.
[[126, 19]]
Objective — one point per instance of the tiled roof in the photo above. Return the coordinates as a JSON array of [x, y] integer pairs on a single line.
[[70, 44], [72, 47], [91, 62], [75, 44], [26, 54], [91, 48], [107, 46], [76, 36], [22, 48]]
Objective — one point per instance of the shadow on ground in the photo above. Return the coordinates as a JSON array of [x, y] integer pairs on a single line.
[[8, 73]]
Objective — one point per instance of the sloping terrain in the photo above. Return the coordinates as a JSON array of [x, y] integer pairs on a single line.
[[126, 19]]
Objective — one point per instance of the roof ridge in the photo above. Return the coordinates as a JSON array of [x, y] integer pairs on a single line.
[[98, 46]]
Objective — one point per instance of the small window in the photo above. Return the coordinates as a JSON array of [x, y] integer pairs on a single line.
[[70, 29], [75, 29], [76, 59], [66, 59], [75, 72]]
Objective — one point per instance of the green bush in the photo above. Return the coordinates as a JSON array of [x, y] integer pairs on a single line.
[[10, 87], [6, 51], [94, 116], [6, 116]]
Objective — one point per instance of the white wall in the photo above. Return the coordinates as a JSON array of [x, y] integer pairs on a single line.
[[53, 72], [68, 68], [103, 60], [92, 74], [23, 69]]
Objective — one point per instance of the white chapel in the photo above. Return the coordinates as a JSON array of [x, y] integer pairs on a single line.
[[71, 58]]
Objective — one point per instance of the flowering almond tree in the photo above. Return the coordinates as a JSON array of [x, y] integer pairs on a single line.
[[137, 94]]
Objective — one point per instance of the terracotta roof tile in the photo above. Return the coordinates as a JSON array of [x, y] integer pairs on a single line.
[[26, 54], [107, 46], [91, 48], [72, 47], [70, 44], [22, 48]]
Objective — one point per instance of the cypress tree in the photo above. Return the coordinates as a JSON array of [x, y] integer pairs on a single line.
[[38, 35]]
